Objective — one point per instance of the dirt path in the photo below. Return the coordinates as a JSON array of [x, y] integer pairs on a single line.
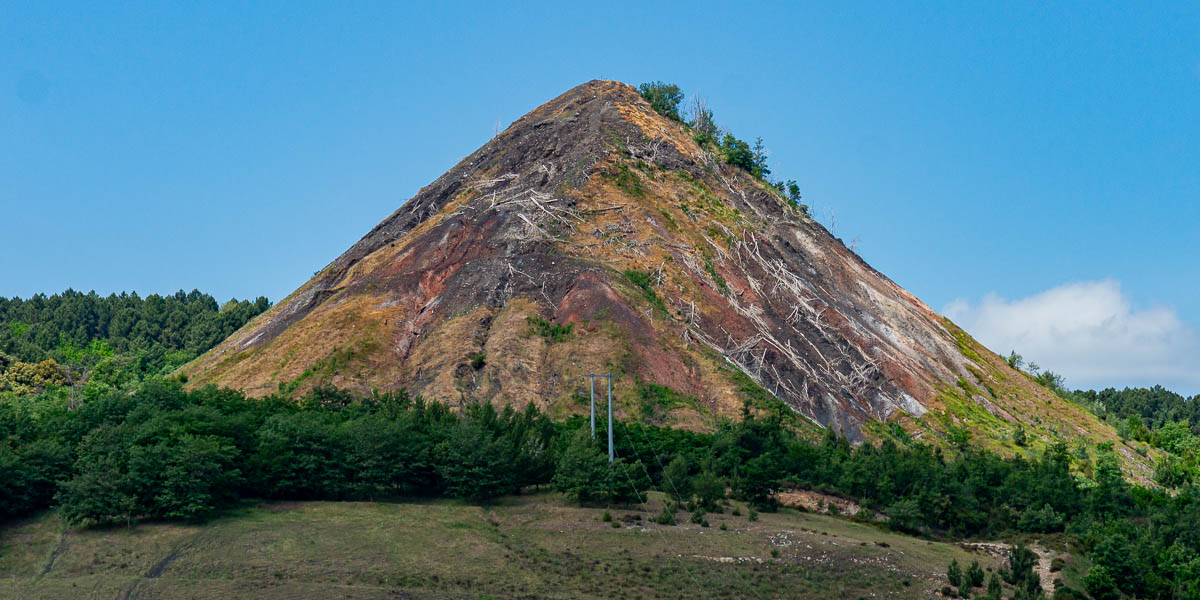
[[1042, 567], [58, 550]]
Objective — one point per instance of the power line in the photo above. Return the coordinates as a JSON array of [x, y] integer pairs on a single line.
[[700, 587], [667, 476]]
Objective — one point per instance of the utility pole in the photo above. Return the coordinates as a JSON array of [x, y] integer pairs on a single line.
[[592, 401], [610, 441], [592, 383]]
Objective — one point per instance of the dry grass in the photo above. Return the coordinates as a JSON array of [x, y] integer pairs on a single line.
[[531, 547]]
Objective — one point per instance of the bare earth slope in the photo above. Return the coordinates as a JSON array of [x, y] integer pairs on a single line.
[[735, 295]]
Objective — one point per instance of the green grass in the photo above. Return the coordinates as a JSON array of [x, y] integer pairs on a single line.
[[531, 546]]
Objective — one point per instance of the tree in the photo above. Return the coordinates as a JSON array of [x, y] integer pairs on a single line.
[[474, 465], [759, 481], [709, 490], [1044, 520], [974, 575], [1015, 360], [759, 153], [702, 124], [104, 489], [583, 472], [793, 191], [1115, 553], [954, 574], [905, 515], [994, 589], [739, 154], [664, 98], [1020, 564], [1170, 472], [677, 481], [1018, 436], [1100, 583], [199, 477]]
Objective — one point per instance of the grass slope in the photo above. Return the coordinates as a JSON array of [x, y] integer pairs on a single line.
[[527, 547]]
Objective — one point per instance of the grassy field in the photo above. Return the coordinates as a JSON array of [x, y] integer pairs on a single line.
[[525, 547]]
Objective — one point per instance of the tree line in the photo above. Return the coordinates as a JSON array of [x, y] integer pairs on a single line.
[[162, 452], [69, 338]]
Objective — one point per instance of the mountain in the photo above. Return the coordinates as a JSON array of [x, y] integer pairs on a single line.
[[595, 235]]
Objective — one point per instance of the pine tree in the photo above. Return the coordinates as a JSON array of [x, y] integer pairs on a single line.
[[954, 574], [974, 575], [994, 589]]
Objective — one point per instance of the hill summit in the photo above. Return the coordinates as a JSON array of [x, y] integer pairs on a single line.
[[596, 235]]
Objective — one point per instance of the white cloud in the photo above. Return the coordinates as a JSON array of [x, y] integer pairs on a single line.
[[1090, 333]]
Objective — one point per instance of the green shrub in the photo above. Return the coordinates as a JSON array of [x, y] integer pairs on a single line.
[[645, 282], [478, 360], [666, 517], [553, 332]]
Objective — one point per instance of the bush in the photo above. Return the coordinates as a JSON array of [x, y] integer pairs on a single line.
[[1018, 436], [553, 332], [1100, 584], [1043, 520], [478, 360], [666, 517], [1057, 564]]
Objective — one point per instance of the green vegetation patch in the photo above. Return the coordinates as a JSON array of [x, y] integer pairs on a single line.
[[964, 341], [645, 282], [625, 179], [553, 332], [654, 400]]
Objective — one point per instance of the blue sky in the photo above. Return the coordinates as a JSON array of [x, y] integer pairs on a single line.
[[1002, 161]]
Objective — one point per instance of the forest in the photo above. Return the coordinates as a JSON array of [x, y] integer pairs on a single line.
[[116, 340]]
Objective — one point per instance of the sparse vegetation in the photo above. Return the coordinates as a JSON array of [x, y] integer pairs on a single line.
[[667, 99], [625, 179], [645, 282], [553, 332]]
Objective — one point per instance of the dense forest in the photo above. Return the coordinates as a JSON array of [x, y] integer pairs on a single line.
[[162, 452], [72, 337]]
